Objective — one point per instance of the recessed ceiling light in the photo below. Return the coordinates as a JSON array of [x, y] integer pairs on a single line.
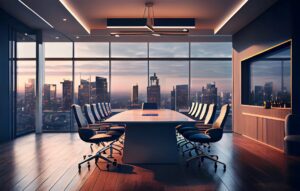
[[57, 37], [64, 19], [25, 34], [116, 35], [155, 34], [77, 37]]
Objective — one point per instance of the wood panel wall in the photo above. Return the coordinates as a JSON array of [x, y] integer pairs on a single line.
[[269, 29]]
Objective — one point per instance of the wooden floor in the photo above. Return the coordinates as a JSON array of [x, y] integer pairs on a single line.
[[49, 162]]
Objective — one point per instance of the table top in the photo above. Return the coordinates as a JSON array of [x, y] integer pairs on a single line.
[[150, 116]]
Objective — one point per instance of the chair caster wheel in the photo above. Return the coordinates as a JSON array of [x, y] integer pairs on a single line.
[[84, 157]]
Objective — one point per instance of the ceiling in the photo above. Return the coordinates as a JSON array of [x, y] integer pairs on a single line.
[[216, 20]]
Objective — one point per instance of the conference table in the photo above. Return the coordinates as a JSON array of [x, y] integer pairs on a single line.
[[150, 135]]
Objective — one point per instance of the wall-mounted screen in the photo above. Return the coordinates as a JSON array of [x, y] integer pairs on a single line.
[[266, 77]]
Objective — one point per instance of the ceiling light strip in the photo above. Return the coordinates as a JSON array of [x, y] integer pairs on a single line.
[[68, 7], [232, 13], [39, 16]]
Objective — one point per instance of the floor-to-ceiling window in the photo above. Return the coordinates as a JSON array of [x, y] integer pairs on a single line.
[[58, 87], [25, 83], [211, 75], [125, 73]]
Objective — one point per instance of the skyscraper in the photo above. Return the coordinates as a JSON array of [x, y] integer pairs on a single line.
[[101, 89], [182, 96], [210, 94], [83, 92], [30, 96], [258, 95], [67, 94], [268, 91], [49, 96], [173, 102], [135, 95], [153, 91]]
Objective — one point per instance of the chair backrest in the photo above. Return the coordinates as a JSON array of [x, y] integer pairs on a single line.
[[107, 108], [203, 112], [220, 121], [198, 110], [210, 114], [79, 117], [100, 111], [104, 109], [88, 114], [149, 105], [95, 112], [195, 109], [191, 108]]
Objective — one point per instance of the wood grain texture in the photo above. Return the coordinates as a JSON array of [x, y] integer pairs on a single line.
[[49, 162]]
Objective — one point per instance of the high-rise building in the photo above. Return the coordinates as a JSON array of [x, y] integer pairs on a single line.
[[83, 92], [67, 94], [49, 96], [135, 95], [210, 94], [101, 89], [182, 96], [268, 91], [153, 90], [173, 102], [258, 95], [30, 96]]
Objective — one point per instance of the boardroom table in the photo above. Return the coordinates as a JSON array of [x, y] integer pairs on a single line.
[[150, 135]]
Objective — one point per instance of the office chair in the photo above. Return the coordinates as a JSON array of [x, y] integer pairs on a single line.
[[88, 135], [149, 105], [292, 135], [100, 127], [212, 135], [195, 109], [204, 117], [198, 111], [108, 109], [191, 108], [104, 109], [100, 111]]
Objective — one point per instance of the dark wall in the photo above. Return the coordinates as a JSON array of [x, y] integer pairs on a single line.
[[271, 28], [8, 28]]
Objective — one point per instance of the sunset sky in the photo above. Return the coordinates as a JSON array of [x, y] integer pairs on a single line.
[[127, 73]]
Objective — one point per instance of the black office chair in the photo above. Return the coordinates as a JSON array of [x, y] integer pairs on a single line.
[[100, 111], [100, 127], [212, 135], [195, 109], [149, 105], [104, 109], [91, 136], [191, 108]]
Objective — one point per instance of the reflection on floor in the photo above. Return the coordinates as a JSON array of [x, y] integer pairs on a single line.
[[49, 161]]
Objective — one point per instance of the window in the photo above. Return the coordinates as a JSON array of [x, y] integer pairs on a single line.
[[211, 50], [25, 97], [91, 50], [91, 82], [266, 77], [126, 50], [129, 83], [58, 49], [169, 81], [57, 96], [169, 50]]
